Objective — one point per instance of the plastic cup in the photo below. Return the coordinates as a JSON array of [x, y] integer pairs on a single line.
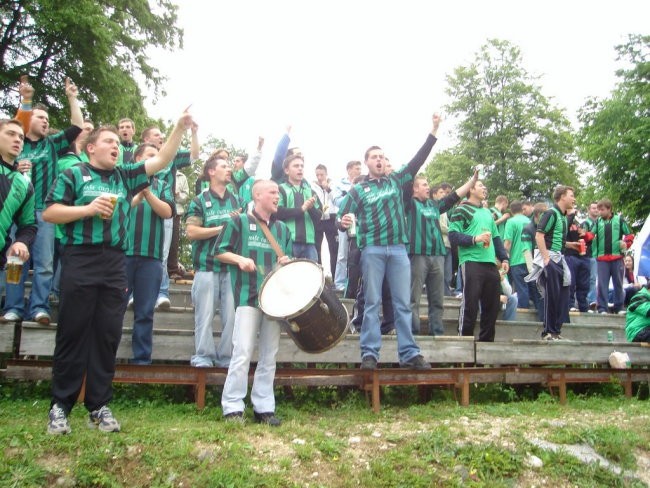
[[113, 198], [14, 270]]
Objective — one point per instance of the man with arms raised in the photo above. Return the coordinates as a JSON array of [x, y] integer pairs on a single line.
[[378, 207], [42, 151], [93, 201]]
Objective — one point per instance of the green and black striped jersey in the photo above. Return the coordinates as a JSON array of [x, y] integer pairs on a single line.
[[514, 233], [608, 236], [497, 214], [423, 221], [81, 184], [242, 235], [301, 224], [16, 207], [44, 154], [553, 224], [207, 209], [168, 174], [379, 209], [146, 228], [474, 220]]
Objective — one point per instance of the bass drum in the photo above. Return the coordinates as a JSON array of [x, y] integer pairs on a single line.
[[296, 292]]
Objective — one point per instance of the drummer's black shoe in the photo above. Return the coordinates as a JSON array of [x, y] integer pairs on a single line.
[[416, 362], [267, 418], [368, 362], [235, 417]]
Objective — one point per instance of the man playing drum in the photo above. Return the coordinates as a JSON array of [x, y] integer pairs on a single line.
[[377, 204], [244, 246]]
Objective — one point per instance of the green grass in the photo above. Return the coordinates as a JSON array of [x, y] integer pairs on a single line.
[[329, 438]]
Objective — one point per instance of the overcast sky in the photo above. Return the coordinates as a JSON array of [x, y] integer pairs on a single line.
[[350, 74]]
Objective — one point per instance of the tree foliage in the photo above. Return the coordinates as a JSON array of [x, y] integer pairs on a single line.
[[507, 125], [101, 45], [615, 134]]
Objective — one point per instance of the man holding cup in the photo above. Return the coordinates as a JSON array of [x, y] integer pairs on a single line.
[[473, 229], [93, 278], [17, 196]]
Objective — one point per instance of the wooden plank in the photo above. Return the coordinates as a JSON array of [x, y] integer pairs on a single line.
[[557, 352], [7, 337]]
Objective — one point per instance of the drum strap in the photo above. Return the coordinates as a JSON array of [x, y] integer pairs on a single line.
[[269, 236]]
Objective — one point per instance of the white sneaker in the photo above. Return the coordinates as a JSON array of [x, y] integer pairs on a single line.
[[163, 303]]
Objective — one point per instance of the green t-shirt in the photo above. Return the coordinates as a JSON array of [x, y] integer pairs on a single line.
[[81, 184], [146, 228], [242, 235], [473, 220], [513, 233], [608, 236], [207, 209]]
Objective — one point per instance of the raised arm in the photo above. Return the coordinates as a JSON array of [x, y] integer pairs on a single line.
[[421, 156], [71, 91], [253, 162], [277, 171]]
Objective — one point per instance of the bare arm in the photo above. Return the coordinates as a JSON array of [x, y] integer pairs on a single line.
[[195, 147], [58, 213], [245, 264], [198, 233], [71, 91], [170, 148], [161, 208]]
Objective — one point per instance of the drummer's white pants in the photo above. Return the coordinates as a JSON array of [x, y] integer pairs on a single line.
[[248, 322]]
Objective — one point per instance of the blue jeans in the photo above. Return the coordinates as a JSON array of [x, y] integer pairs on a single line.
[[306, 251], [613, 270], [42, 253], [143, 275], [519, 272], [209, 291], [428, 271], [167, 242], [341, 273], [580, 267], [593, 281], [393, 262], [510, 310]]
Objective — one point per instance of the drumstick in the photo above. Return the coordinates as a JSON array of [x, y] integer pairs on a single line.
[[260, 269]]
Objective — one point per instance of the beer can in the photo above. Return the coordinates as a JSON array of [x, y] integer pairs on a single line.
[[583, 247], [610, 336]]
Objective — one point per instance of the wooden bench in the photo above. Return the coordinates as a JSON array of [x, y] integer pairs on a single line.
[[510, 362]]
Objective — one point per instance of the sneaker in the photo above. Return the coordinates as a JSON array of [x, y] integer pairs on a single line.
[[417, 362], [603, 313], [622, 312], [103, 419], [11, 317], [267, 418], [593, 306], [368, 362], [549, 337], [42, 318], [235, 417], [163, 303], [129, 305], [573, 309], [58, 421]]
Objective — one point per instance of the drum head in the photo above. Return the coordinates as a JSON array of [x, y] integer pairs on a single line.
[[291, 289]]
